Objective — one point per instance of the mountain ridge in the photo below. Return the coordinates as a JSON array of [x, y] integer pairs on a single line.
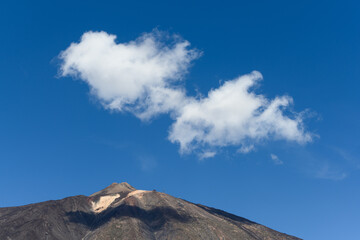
[[120, 211]]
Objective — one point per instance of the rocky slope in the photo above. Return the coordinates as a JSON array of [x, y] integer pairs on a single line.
[[122, 212]]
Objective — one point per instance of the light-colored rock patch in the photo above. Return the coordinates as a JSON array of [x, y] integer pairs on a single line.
[[138, 193], [103, 203]]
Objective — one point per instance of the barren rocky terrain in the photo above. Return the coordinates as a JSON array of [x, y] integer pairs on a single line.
[[122, 212]]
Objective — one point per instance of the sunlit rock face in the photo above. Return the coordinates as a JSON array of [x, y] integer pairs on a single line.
[[122, 212]]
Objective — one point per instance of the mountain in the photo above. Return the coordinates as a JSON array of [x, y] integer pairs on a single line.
[[122, 212]]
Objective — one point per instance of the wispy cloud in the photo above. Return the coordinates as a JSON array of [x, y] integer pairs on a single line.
[[207, 154], [275, 159], [147, 163], [325, 172], [323, 161], [246, 148], [144, 77]]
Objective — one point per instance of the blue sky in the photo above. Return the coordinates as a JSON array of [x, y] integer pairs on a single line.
[[57, 138]]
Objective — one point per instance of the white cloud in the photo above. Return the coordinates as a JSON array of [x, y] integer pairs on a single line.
[[276, 159], [234, 115], [139, 76], [143, 77]]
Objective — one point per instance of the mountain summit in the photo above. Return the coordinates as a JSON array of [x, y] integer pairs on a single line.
[[122, 212], [115, 188]]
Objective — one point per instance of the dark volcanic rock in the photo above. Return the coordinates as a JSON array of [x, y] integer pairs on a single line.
[[122, 212]]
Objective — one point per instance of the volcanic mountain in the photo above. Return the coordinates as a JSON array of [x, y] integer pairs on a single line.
[[122, 212]]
